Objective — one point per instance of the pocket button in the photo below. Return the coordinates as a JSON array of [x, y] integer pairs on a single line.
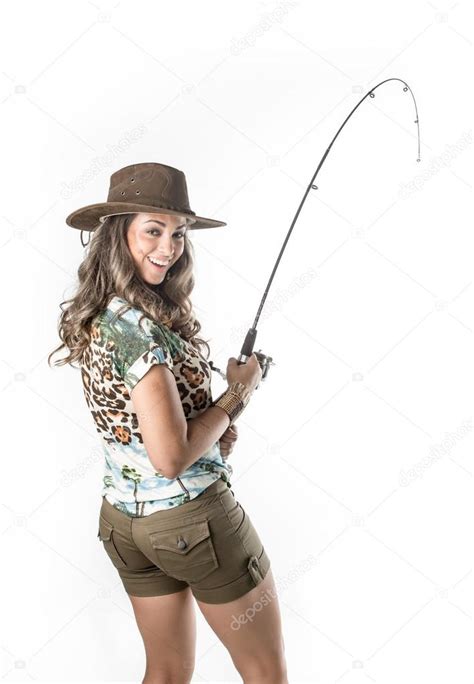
[[187, 552]]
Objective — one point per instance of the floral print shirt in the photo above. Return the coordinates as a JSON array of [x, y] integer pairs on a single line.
[[119, 354]]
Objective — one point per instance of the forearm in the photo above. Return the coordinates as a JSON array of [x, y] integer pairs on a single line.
[[203, 431]]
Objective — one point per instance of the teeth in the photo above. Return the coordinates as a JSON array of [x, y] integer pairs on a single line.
[[155, 261]]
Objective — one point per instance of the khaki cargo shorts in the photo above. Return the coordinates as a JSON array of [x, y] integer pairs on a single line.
[[208, 543]]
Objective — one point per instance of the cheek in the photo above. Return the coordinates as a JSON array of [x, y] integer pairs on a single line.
[[140, 248]]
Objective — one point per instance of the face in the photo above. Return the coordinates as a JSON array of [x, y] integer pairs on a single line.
[[157, 237]]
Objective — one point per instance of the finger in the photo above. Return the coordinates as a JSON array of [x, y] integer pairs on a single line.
[[230, 431]]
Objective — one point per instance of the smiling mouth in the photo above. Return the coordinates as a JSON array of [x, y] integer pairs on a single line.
[[159, 267]]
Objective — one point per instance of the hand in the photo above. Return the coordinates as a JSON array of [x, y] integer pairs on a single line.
[[227, 440], [249, 373]]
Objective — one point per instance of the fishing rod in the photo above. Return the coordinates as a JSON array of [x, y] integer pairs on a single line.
[[264, 360]]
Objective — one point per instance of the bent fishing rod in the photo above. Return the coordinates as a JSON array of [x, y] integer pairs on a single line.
[[249, 342]]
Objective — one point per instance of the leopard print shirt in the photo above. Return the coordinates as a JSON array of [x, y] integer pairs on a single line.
[[119, 354]]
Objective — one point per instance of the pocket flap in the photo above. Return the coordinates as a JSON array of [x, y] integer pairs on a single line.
[[182, 538], [105, 529]]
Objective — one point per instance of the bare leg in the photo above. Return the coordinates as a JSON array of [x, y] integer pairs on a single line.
[[250, 629], [168, 628]]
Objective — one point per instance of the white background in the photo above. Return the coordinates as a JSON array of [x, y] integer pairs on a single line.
[[354, 457]]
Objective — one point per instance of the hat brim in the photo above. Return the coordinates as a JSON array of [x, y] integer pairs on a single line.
[[91, 216]]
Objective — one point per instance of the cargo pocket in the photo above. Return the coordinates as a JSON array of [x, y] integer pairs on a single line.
[[106, 535], [186, 552]]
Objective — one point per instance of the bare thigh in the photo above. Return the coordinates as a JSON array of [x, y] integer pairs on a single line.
[[250, 629], [168, 628]]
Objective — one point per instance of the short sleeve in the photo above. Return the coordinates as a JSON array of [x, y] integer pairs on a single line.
[[136, 348]]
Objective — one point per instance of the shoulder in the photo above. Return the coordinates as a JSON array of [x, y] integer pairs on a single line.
[[119, 309], [129, 322]]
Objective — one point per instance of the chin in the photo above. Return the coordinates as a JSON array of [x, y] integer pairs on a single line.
[[153, 283]]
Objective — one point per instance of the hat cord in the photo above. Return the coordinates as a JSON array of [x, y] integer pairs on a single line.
[[85, 244]]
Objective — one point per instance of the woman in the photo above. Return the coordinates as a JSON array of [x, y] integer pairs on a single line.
[[169, 520]]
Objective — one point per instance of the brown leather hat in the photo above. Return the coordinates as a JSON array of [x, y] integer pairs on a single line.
[[149, 187]]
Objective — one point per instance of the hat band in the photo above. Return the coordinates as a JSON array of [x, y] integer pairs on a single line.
[[137, 197]]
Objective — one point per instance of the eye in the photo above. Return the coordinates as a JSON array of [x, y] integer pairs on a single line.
[[176, 235]]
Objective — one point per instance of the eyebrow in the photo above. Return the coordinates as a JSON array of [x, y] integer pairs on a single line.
[[163, 224]]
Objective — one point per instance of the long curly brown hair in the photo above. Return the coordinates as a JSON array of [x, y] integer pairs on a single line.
[[108, 270]]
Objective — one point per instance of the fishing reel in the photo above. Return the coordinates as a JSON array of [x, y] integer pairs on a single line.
[[264, 361], [246, 352]]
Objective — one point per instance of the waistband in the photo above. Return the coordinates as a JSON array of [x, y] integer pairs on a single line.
[[190, 508]]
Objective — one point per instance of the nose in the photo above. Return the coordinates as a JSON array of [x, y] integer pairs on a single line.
[[166, 248]]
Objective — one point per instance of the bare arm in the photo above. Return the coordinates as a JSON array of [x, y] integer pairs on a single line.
[[172, 442]]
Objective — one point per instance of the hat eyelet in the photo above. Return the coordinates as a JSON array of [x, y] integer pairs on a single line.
[[123, 192], [132, 180], [137, 192]]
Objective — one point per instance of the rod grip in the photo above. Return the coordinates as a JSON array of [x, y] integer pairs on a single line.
[[249, 342]]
